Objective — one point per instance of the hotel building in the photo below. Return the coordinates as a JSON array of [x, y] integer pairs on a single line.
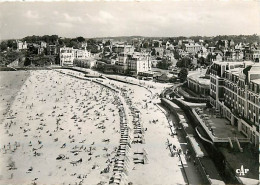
[[235, 93]]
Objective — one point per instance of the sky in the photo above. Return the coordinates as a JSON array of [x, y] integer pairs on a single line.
[[143, 18]]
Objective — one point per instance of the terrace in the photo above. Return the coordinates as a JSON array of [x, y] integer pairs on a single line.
[[218, 129]]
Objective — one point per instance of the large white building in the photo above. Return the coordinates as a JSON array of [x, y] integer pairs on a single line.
[[68, 55], [235, 93], [139, 63], [82, 54], [21, 45], [192, 48]]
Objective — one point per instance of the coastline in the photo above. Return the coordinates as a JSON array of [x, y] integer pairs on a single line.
[[7, 93]]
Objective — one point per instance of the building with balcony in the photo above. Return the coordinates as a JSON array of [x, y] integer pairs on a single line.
[[199, 83], [21, 45], [68, 55], [192, 48], [233, 55], [235, 94], [82, 53], [139, 63]]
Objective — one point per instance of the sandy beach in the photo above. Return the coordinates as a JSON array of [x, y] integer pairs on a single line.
[[65, 130]]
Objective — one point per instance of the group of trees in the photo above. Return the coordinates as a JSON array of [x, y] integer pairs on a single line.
[[184, 62], [8, 44], [50, 39], [8, 57], [163, 64], [183, 74], [39, 60], [55, 39], [74, 42], [208, 40]]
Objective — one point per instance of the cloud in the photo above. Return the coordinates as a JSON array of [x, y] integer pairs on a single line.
[[165, 18], [65, 24], [72, 18], [31, 14], [103, 17]]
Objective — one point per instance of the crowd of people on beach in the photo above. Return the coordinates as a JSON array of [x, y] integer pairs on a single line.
[[64, 121]]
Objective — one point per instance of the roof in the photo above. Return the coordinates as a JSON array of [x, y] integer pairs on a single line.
[[233, 63], [255, 68], [252, 68], [236, 71], [198, 77], [158, 49], [257, 81], [192, 45]]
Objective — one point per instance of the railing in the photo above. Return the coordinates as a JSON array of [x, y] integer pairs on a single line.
[[191, 98], [230, 142], [243, 140], [214, 138], [203, 125], [240, 148], [203, 137]]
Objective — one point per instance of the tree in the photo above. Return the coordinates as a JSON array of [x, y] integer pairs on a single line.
[[3, 46], [73, 44], [173, 79], [183, 74], [163, 64], [153, 52], [208, 104], [81, 39], [91, 41], [27, 61], [156, 44], [108, 43], [201, 61], [179, 64], [176, 55], [209, 58], [145, 45], [184, 62]]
